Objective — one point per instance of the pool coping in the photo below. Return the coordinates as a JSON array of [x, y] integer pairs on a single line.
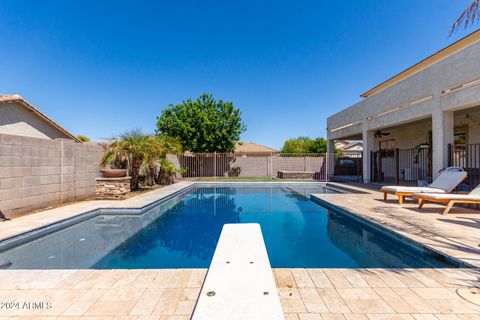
[[38, 232], [376, 222], [144, 203], [393, 234], [141, 203]]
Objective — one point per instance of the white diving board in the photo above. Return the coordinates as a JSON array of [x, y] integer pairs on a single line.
[[239, 283]]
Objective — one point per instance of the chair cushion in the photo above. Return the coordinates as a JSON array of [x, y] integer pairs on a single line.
[[451, 196], [412, 189], [448, 180]]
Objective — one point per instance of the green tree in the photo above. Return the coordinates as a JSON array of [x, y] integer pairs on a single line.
[[469, 16], [203, 125], [83, 138], [318, 145], [305, 145], [297, 145]]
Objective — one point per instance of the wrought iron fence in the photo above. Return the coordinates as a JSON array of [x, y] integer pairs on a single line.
[[401, 166], [466, 156], [348, 167], [278, 166], [320, 167]]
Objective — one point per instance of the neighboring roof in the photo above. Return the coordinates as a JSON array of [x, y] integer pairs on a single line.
[[425, 63], [251, 147], [339, 142], [350, 145], [5, 98]]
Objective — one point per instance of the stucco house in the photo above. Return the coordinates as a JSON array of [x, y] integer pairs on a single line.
[[349, 148], [421, 120], [253, 149], [19, 117]]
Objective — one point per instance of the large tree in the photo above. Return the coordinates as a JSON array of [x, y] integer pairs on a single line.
[[305, 145], [203, 125]]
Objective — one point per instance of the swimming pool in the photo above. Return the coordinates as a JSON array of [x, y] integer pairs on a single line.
[[182, 232]]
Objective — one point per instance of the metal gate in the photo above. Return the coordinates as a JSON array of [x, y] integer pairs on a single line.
[[466, 156], [401, 166], [348, 168]]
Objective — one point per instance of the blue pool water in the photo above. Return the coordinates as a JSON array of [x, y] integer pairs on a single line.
[[183, 232]]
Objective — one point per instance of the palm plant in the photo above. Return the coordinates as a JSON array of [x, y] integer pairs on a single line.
[[468, 17], [138, 149], [155, 159]]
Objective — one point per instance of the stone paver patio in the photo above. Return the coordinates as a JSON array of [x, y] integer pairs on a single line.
[[360, 294], [305, 294]]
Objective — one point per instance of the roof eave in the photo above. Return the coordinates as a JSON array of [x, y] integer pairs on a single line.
[[43, 116], [427, 62]]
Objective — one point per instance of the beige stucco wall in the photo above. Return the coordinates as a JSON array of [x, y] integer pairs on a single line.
[[16, 119], [35, 173], [407, 137]]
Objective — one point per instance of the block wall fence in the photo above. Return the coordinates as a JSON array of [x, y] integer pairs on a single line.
[[37, 173]]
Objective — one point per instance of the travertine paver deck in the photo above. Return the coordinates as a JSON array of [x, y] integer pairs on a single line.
[[375, 294], [456, 234], [347, 294], [100, 294]]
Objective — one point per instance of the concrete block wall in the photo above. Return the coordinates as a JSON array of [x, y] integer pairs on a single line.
[[36, 173], [252, 166]]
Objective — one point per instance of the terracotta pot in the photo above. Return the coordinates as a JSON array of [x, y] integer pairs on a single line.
[[114, 173]]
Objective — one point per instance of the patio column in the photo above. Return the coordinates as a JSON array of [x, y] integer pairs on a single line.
[[330, 158], [368, 137], [442, 135]]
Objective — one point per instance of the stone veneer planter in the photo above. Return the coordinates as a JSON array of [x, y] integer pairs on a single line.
[[307, 175], [112, 188]]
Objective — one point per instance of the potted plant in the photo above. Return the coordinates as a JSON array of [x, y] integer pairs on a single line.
[[113, 165]]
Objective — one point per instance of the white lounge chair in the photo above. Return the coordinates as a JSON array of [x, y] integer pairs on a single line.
[[445, 183], [448, 199]]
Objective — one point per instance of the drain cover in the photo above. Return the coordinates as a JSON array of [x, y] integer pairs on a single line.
[[470, 294]]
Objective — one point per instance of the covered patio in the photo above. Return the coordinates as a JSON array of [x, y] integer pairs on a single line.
[[420, 121]]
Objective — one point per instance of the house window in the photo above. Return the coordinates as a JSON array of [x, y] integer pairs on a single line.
[[387, 144]]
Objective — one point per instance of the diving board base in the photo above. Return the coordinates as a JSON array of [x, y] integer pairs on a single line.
[[239, 283]]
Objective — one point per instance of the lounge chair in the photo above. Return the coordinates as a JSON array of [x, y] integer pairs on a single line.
[[445, 183], [448, 199]]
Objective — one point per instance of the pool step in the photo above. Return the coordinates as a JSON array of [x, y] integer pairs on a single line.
[[239, 282]]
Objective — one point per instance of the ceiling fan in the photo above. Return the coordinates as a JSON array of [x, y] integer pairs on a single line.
[[380, 134]]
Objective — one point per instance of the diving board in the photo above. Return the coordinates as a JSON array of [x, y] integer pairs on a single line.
[[239, 283]]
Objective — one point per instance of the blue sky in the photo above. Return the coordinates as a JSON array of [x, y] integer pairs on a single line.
[[100, 67]]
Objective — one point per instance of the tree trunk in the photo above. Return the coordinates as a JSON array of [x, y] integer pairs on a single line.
[[151, 175], [135, 171], [165, 177]]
